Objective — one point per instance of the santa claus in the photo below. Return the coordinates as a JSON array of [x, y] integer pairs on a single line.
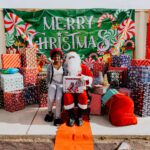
[[75, 68]]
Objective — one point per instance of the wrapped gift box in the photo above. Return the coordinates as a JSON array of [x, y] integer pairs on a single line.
[[11, 61], [41, 75], [1, 98], [13, 101], [31, 95], [115, 78], [95, 104], [29, 58], [139, 74], [29, 71], [139, 62], [43, 100], [30, 80], [43, 88], [73, 84], [124, 73], [140, 93], [121, 61], [97, 68], [11, 82]]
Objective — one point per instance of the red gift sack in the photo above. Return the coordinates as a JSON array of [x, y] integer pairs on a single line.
[[121, 110]]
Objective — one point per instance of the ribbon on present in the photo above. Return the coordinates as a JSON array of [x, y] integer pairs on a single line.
[[98, 64]]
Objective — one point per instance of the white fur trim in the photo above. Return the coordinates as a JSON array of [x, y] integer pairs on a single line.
[[82, 106], [66, 107], [90, 81]]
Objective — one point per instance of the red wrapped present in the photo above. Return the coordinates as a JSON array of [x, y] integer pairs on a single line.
[[29, 79], [40, 76], [140, 62], [11, 61], [98, 65], [29, 58], [13, 101], [43, 100], [29, 71], [95, 104]]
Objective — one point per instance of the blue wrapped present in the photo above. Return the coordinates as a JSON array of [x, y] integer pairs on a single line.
[[141, 95], [1, 98], [30, 95], [121, 61], [139, 74]]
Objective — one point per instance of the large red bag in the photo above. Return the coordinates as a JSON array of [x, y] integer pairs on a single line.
[[121, 110]]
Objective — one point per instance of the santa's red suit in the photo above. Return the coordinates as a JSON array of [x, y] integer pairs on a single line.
[[82, 98]]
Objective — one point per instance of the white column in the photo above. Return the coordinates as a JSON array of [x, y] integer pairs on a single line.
[[140, 35], [2, 36]]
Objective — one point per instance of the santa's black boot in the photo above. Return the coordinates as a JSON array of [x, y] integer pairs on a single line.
[[79, 120], [71, 119]]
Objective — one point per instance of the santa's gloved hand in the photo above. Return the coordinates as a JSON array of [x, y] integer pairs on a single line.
[[84, 78], [88, 80]]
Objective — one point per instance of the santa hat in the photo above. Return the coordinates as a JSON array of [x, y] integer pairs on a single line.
[[73, 54], [56, 50]]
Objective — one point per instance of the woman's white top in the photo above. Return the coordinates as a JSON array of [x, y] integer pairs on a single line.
[[58, 75]]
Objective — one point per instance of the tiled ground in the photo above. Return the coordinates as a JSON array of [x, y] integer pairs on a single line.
[[30, 122]]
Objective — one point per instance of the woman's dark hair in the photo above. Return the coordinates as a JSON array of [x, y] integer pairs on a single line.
[[55, 51]]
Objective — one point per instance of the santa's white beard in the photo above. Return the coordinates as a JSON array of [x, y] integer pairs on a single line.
[[74, 67]]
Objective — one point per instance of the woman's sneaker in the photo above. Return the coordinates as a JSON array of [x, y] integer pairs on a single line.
[[57, 122], [49, 117]]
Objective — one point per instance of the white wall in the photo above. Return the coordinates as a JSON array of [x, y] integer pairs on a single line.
[[2, 36], [62, 4], [141, 18]]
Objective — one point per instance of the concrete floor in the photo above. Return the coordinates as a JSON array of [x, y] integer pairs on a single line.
[[30, 122]]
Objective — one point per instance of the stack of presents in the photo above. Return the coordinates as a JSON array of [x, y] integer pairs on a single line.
[[25, 87], [28, 86], [128, 76], [132, 77]]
